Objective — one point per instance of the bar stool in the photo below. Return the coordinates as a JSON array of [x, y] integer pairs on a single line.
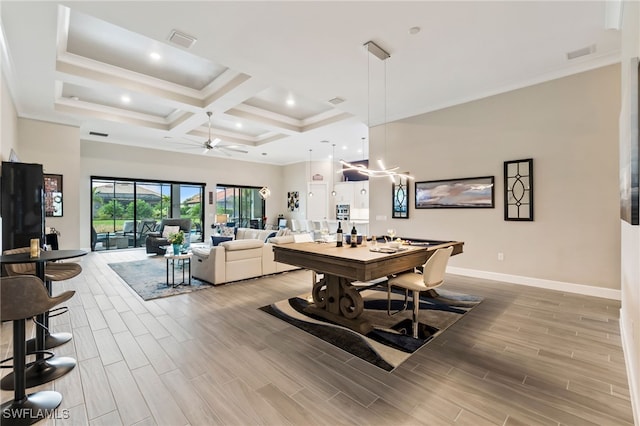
[[53, 272], [23, 297]]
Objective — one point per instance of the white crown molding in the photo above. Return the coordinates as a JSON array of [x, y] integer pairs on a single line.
[[586, 290]]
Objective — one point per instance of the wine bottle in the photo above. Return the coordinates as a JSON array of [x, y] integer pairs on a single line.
[[354, 236], [339, 235]]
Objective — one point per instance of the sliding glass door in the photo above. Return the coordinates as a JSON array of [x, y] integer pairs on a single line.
[[124, 211], [243, 204]]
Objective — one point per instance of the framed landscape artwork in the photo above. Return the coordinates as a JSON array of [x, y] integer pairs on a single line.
[[53, 195], [475, 192]]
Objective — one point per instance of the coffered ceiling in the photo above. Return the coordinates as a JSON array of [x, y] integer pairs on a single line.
[[280, 77]]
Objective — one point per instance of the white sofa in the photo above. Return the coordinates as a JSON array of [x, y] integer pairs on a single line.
[[239, 259]]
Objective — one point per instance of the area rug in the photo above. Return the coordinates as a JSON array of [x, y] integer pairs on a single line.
[[148, 278], [390, 343]]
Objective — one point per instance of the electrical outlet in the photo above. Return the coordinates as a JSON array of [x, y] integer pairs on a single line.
[[500, 256]]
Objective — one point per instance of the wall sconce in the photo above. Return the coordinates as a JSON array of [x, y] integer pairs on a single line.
[[264, 192]]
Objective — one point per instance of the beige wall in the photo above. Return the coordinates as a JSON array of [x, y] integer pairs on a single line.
[[9, 123], [569, 127], [57, 148], [630, 235], [110, 160]]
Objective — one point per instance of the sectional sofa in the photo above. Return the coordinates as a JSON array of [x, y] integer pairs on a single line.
[[249, 255]]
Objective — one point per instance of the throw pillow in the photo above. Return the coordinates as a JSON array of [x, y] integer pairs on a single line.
[[227, 231], [168, 230]]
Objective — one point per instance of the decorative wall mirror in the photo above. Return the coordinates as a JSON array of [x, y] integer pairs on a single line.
[[518, 190], [400, 200]]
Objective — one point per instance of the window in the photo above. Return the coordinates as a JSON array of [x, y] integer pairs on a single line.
[[124, 211], [243, 204]]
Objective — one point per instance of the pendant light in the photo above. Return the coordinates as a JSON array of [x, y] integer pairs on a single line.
[[391, 172], [363, 191], [333, 163], [310, 175]]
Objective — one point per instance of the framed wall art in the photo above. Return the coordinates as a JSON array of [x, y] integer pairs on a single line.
[[53, 195], [518, 190], [293, 201], [475, 192], [629, 148], [400, 199]]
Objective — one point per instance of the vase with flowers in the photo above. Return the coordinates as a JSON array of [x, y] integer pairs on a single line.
[[176, 239]]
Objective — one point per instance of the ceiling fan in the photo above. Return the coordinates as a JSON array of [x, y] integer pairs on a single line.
[[214, 144]]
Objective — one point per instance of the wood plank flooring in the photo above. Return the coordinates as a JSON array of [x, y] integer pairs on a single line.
[[523, 356]]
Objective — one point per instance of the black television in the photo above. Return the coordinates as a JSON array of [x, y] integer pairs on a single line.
[[22, 204]]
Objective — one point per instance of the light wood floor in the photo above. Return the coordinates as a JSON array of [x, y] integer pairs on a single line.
[[523, 356]]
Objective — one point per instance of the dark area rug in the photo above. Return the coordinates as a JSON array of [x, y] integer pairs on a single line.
[[148, 278], [390, 343]]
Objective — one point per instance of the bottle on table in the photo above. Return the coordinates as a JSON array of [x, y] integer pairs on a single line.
[[339, 235], [354, 236]]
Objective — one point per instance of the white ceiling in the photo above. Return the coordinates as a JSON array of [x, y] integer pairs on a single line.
[[70, 62]]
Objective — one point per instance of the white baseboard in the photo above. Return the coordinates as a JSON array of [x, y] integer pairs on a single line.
[[587, 290], [633, 369]]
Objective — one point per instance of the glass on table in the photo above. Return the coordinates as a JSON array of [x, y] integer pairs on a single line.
[[391, 233]]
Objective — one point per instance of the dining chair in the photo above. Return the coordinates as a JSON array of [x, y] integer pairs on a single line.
[[431, 277]]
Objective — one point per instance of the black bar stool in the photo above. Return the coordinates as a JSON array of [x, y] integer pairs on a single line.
[[24, 297], [59, 366], [53, 272]]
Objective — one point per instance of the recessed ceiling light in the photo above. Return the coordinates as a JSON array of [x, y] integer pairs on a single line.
[[155, 56], [74, 98], [414, 30], [291, 102], [239, 125], [264, 153], [344, 147], [125, 99]]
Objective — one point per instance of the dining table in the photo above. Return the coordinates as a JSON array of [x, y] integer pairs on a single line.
[[347, 270], [46, 367]]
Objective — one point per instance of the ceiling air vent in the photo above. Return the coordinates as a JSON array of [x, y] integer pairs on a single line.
[[182, 39], [104, 135], [581, 52], [336, 100]]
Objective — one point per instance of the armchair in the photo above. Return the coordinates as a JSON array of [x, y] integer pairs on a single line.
[[159, 238]]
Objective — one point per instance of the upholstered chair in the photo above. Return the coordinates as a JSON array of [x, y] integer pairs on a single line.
[[156, 240], [431, 277]]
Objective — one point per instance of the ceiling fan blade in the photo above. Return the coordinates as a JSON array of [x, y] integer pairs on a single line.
[[214, 142]]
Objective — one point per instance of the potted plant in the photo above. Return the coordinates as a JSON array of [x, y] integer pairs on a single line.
[[176, 239]]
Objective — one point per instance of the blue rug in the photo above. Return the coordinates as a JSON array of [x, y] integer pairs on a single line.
[[390, 343], [148, 278]]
